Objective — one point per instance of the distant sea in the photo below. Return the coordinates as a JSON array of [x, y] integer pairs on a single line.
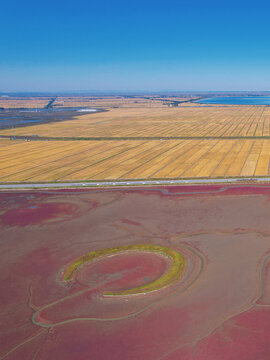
[[237, 100]]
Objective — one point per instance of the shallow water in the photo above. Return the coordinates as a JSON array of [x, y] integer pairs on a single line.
[[22, 117], [237, 100]]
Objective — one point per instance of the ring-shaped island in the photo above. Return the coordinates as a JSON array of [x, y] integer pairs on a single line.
[[174, 273]]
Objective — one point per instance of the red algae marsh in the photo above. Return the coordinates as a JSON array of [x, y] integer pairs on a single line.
[[186, 268]]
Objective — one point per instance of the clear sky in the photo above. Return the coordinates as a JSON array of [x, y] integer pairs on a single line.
[[54, 45]]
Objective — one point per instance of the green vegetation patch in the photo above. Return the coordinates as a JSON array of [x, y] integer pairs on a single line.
[[171, 276]]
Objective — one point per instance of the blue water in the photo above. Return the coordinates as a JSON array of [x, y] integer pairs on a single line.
[[237, 100]]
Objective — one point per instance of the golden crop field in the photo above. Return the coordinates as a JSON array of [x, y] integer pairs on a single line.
[[12, 102], [184, 121], [115, 102], [154, 142], [34, 161]]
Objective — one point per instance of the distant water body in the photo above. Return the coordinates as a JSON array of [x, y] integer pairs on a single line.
[[237, 100], [25, 117]]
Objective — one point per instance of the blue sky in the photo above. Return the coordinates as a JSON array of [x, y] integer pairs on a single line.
[[134, 45]]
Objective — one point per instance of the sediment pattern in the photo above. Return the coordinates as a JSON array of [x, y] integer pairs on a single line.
[[176, 269], [219, 306]]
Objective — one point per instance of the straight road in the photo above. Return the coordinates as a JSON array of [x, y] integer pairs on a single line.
[[134, 183]]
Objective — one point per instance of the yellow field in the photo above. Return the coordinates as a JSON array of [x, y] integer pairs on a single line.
[[12, 102], [185, 121], [139, 140], [97, 160], [114, 102]]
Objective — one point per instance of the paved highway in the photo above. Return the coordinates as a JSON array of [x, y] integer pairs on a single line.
[[133, 183]]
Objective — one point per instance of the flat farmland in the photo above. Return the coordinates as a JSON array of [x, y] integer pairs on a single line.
[[184, 121], [118, 101], [35, 161], [31, 102], [189, 141], [109, 102]]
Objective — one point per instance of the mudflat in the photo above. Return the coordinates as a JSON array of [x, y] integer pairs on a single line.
[[218, 306]]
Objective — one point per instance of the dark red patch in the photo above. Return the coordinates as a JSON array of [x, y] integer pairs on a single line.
[[131, 222], [37, 213], [245, 336]]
